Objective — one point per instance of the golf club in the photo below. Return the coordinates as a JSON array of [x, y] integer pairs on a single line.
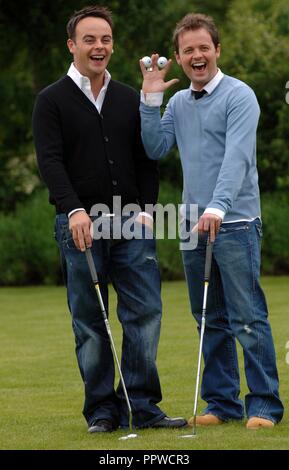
[[208, 264], [94, 277]]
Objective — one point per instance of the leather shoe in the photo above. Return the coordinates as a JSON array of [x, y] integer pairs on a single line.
[[206, 420], [101, 425], [256, 423], [167, 422]]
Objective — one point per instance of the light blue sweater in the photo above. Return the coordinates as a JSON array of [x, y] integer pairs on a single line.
[[216, 138]]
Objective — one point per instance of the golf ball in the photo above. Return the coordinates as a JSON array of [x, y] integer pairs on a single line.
[[162, 62], [130, 436], [147, 61]]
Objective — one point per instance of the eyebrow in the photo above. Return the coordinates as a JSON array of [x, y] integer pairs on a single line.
[[191, 47], [91, 36]]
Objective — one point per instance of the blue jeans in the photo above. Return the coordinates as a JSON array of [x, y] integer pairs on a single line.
[[132, 267], [236, 308]]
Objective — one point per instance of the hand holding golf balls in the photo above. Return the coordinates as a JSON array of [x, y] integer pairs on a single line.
[[154, 70], [147, 61]]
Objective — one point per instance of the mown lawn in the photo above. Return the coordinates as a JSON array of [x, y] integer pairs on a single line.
[[41, 391]]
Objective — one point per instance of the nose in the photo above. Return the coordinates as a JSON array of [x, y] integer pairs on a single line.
[[197, 54], [98, 44]]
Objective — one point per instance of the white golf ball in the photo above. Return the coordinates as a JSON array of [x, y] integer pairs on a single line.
[[162, 62], [130, 436], [147, 61]]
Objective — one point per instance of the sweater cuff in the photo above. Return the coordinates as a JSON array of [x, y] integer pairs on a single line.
[[146, 214], [75, 210], [218, 212], [152, 99]]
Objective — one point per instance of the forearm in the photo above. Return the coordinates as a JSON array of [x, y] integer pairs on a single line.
[[57, 181], [147, 174], [157, 134]]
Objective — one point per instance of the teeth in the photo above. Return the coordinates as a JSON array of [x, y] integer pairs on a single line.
[[199, 64], [97, 56]]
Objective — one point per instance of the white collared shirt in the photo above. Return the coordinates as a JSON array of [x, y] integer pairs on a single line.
[[212, 84], [156, 99], [85, 86]]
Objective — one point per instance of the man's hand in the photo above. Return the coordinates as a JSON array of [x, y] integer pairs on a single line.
[[208, 223], [142, 219], [79, 225], [153, 78]]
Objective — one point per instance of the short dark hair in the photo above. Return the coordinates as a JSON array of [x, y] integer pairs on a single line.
[[96, 11], [193, 21]]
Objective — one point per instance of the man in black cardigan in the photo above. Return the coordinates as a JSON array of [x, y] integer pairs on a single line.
[[87, 138]]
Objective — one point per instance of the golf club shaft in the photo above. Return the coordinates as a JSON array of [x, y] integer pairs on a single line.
[[208, 261], [94, 276], [208, 264], [203, 322]]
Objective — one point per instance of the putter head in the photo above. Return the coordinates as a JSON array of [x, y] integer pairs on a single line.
[[129, 436], [194, 432]]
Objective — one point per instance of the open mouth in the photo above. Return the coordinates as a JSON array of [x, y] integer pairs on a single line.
[[97, 58], [199, 66]]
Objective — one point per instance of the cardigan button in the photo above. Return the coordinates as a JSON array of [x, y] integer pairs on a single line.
[[111, 162], [106, 138], [114, 182]]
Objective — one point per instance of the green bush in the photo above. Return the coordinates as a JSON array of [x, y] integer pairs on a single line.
[[168, 251], [29, 255], [28, 252], [13, 269], [275, 246]]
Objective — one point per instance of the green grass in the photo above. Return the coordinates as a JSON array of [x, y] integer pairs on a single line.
[[41, 391]]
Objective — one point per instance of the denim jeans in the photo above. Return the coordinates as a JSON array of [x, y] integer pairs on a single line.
[[132, 268], [236, 308]]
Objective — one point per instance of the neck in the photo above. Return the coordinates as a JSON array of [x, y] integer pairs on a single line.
[[200, 86], [96, 80], [96, 84]]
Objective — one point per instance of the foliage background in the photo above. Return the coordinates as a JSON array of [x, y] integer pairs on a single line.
[[33, 53]]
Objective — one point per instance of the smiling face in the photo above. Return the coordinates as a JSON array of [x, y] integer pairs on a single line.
[[197, 55], [92, 46]]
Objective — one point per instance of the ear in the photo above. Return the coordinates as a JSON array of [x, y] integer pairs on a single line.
[[178, 58], [218, 51], [71, 46]]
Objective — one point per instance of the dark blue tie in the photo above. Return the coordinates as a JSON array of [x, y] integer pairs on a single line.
[[198, 94]]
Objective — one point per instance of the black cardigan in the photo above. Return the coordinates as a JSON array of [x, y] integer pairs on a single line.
[[85, 157]]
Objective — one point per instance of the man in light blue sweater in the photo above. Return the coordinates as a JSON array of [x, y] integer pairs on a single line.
[[214, 123]]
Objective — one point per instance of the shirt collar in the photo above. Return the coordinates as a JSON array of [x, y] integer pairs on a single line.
[[212, 84], [82, 81]]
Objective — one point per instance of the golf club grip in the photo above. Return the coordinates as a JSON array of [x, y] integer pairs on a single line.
[[91, 265], [208, 261]]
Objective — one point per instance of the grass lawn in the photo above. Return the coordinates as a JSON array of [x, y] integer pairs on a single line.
[[41, 391]]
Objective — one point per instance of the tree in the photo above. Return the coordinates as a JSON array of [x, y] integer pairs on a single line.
[[33, 54], [256, 50]]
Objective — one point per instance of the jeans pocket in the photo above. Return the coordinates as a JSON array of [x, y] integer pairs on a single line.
[[259, 230], [233, 228], [64, 236]]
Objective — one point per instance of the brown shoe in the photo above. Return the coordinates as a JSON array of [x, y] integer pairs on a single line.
[[206, 420], [256, 423]]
